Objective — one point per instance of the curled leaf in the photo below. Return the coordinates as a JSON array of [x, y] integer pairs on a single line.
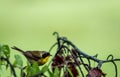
[[18, 61], [6, 50]]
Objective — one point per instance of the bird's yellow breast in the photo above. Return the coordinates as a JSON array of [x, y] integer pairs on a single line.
[[44, 60]]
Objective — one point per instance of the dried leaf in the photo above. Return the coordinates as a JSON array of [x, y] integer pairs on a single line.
[[95, 72]]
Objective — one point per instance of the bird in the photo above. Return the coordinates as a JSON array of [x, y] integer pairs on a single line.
[[40, 57]]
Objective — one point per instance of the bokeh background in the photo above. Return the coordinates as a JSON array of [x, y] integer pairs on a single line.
[[92, 25]]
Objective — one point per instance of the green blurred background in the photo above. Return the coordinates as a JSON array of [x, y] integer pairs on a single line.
[[93, 25]]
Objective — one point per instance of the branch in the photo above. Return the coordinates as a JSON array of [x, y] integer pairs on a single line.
[[79, 51], [11, 66], [100, 62]]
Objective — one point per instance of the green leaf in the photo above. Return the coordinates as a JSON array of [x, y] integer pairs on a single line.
[[6, 50], [18, 61], [32, 70], [0, 56], [7, 65], [56, 72], [28, 70], [1, 52], [35, 68], [70, 72], [44, 69], [51, 74]]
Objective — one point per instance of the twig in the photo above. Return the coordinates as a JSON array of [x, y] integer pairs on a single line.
[[11, 66], [79, 51], [86, 55], [115, 68]]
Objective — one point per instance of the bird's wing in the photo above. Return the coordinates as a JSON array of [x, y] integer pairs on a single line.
[[37, 54], [29, 55]]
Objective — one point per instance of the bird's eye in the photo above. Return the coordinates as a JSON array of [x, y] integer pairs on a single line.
[[45, 55]]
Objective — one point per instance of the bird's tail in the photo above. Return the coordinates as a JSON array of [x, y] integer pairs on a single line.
[[18, 49]]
